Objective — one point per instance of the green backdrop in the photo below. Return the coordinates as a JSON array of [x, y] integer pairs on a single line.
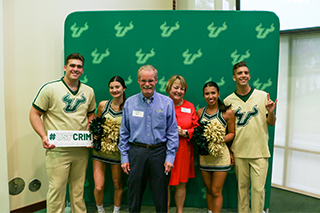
[[199, 45]]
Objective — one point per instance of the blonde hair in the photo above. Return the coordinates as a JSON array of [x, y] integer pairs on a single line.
[[148, 67], [172, 79]]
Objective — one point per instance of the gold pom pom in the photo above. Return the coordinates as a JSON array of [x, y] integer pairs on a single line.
[[111, 129], [214, 133]]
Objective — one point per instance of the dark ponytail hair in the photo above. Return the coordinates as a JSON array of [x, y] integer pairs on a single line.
[[222, 107], [121, 81]]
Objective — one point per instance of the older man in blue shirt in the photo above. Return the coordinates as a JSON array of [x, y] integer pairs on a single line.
[[149, 141]]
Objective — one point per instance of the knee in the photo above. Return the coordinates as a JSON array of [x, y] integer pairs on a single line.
[[118, 185], [257, 189], [180, 191], [244, 185], [209, 191], [216, 192], [99, 188]]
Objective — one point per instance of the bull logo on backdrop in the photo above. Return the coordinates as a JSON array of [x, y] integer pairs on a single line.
[[163, 84], [143, 57], [122, 30], [220, 83], [204, 193], [128, 81], [238, 57], [168, 30], [263, 32], [98, 57], [214, 32], [77, 31], [84, 80], [262, 86], [189, 58]]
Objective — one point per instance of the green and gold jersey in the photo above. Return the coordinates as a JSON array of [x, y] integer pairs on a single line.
[[64, 109], [251, 139]]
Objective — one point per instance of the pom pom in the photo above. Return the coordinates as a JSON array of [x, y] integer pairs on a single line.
[[105, 133], [111, 129], [208, 137], [96, 130]]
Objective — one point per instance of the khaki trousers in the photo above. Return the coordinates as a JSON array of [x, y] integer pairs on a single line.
[[254, 170], [66, 165]]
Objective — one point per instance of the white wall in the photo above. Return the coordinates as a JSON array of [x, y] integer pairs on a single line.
[[4, 191], [33, 55], [206, 4]]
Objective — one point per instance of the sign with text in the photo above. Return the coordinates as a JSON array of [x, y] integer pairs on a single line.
[[65, 138]]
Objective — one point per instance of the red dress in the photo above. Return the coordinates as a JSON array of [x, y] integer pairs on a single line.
[[184, 162]]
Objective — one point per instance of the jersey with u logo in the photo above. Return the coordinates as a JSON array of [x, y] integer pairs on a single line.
[[251, 139], [63, 108]]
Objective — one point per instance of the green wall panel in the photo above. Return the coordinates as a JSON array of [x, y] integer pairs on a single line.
[[199, 45]]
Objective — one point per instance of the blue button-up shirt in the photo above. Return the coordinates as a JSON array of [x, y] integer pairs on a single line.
[[149, 123]]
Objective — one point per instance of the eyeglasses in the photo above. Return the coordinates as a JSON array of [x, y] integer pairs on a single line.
[[149, 81]]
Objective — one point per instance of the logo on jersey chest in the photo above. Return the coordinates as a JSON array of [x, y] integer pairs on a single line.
[[243, 118], [72, 104]]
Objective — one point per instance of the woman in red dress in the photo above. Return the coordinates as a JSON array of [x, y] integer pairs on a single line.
[[187, 120]]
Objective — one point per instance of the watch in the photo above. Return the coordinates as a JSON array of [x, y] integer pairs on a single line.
[[186, 132]]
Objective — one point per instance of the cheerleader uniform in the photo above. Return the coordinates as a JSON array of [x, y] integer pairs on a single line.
[[110, 157], [209, 162]]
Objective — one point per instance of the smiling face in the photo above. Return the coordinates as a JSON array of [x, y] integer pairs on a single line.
[[147, 81], [211, 95], [116, 89], [242, 76], [73, 69], [177, 91]]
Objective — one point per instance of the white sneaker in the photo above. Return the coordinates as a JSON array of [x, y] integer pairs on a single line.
[[116, 209], [67, 209], [101, 211]]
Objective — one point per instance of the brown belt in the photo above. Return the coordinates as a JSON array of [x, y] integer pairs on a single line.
[[149, 146]]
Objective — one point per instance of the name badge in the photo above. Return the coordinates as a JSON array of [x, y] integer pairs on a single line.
[[186, 110], [137, 113]]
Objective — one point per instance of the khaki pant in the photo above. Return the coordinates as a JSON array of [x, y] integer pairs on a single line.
[[256, 170], [66, 165]]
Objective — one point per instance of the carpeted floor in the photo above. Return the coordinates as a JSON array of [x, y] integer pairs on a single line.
[[124, 209], [281, 201], [285, 201]]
